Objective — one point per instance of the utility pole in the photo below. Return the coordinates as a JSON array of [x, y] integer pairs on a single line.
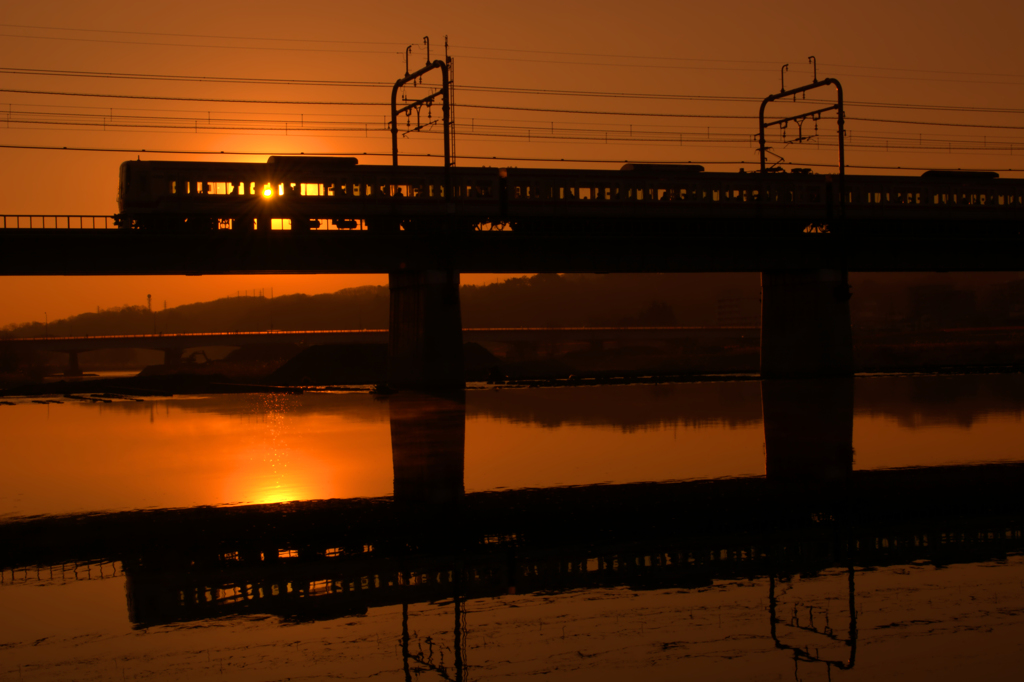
[[445, 94]]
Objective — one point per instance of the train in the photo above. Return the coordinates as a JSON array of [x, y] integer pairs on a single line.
[[314, 193]]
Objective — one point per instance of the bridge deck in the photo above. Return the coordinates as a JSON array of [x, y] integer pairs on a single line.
[[136, 252]]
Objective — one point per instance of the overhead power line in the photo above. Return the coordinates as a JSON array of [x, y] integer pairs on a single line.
[[66, 73], [491, 107], [167, 98], [484, 88], [149, 43], [439, 158], [261, 39], [480, 48]]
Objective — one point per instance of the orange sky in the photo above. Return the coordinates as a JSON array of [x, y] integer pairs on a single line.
[[910, 53]]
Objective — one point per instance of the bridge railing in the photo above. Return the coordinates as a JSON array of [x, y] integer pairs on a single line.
[[58, 222]]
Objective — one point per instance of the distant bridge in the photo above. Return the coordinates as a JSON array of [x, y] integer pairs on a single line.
[[173, 345]]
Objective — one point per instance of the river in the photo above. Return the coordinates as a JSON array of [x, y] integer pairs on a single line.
[[844, 529]]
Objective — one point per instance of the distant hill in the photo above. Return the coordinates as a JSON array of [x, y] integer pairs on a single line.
[[725, 299]]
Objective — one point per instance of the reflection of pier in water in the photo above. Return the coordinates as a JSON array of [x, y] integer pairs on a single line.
[[433, 542]]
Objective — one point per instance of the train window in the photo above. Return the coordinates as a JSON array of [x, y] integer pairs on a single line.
[[715, 195], [584, 193], [174, 187], [311, 189], [280, 223]]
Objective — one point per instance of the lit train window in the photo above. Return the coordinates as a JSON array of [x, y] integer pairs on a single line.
[[174, 187], [216, 188], [311, 189], [280, 224]]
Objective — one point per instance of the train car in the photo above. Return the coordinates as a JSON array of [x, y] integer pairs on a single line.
[[302, 193]]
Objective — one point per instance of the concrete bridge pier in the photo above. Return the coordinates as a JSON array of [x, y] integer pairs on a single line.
[[808, 443], [808, 430], [428, 444], [73, 370], [805, 324], [425, 333]]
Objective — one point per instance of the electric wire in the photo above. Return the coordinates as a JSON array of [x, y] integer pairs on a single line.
[[491, 89], [438, 157], [491, 107], [499, 49]]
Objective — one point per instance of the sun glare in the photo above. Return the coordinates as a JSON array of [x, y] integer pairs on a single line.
[[268, 191]]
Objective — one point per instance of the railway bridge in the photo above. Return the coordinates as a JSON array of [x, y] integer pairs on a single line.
[[804, 234]]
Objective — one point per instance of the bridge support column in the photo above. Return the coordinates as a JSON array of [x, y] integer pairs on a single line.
[[805, 324], [808, 444], [73, 370], [425, 334], [428, 443], [172, 357]]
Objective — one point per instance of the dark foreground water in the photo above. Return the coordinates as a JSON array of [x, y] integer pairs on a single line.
[[864, 529]]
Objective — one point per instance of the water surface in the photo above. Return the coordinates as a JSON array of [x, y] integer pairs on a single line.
[[724, 530]]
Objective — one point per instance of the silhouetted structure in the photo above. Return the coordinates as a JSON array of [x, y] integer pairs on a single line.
[[428, 445], [803, 232]]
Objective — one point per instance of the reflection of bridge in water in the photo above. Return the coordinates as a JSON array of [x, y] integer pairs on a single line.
[[433, 542]]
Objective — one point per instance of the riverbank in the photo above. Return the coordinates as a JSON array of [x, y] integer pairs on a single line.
[[361, 367]]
